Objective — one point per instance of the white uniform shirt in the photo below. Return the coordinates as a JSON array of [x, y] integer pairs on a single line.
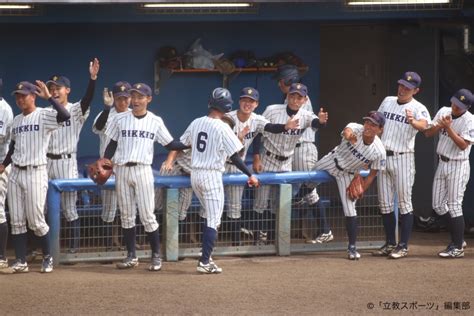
[[135, 137], [353, 157], [31, 134], [464, 126], [64, 140], [211, 141], [309, 133], [256, 124], [104, 140], [398, 135], [6, 119], [284, 144]]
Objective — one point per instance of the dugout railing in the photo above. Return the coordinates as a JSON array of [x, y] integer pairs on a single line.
[[288, 226]]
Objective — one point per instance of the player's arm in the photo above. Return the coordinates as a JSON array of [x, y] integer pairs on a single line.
[[8, 158], [239, 163], [369, 179], [108, 98], [87, 98], [292, 123], [432, 130], [110, 149], [176, 145], [446, 123], [419, 125], [63, 114], [257, 161], [168, 163]]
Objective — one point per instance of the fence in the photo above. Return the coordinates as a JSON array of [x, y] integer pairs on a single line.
[[285, 227]]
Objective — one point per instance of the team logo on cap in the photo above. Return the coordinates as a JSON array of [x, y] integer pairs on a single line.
[[55, 78], [122, 88], [298, 86], [462, 98], [409, 78], [139, 86], [249, 91], [20, 86]]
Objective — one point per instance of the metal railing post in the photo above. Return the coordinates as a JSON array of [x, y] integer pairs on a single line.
[[283, 225], [54, 204], [171, 226]]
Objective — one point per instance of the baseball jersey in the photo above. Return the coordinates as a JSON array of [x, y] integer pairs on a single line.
[[398, 135], [284, 144], [211, 141], [6, 118], [135, 137], [64, 140], [104, 140], [309, 133], [31, 134], [463, 126], [256, 124], [353, 157]]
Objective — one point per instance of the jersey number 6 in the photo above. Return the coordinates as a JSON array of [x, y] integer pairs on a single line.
[[201, 141]]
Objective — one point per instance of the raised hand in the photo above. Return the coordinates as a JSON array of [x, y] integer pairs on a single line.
[[323, 116], [42, 90], [241, 135], [94, 68], [108, 97], [292, 123], [409, 114]]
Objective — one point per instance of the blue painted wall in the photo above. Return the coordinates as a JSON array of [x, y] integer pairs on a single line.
[[127, 51]]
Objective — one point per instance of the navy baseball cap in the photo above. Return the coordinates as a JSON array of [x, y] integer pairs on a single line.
[[376, 118], [299, 88], [463, 99], [141, 88], [25, 88], [249, 92], [59, 81], [287, 71], [121, 89], [411, 80]]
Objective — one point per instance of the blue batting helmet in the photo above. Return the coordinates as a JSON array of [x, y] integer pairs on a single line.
[[221, 100]]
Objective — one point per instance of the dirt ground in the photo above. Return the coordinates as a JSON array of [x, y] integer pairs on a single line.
[[320, 283]]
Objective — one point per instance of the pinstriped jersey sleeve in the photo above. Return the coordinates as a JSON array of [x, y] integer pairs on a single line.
[[468, 132], [422, 113], [380, 162], [95, 130], [49, 120], [113, 129], [162, 134], [76, 113], [306, 118], [6, 118], [186, 137], [355, 127], [260, 122]]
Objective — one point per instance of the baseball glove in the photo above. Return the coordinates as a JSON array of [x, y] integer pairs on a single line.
[[355, 190], [100, 171]]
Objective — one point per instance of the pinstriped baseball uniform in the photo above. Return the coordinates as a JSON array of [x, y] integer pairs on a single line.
[[256, 124], [181, 167], [135, 139], [109, 197], [279, 148], [306, 153], [6, 118], [352, 158], [399, 136], [28, 182], [64, 142], [211, 141], [451, 176]]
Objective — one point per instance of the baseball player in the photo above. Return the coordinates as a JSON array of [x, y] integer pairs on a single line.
[[212, 141], [115, 102], [306, 155], [132, 136], [404, 116], [62, 161], [279, 149], [455, 127], [360, 148], [247, 126], [6, 118], [28, 182]]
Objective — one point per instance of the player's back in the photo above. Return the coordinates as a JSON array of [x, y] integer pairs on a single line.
[[212, 141]]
